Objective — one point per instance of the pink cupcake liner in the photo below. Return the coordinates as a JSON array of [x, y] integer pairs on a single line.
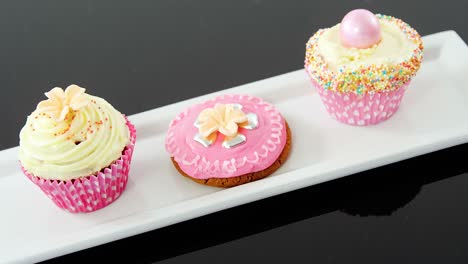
[[93, 192], [361, 110]]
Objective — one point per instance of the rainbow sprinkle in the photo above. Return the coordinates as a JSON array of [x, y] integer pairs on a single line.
[[368, 78]]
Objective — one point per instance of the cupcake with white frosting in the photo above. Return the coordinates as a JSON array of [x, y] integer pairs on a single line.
[[77, 148], [362, 66]]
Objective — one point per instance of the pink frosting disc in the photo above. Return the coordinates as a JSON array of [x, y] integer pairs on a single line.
[[261, 149]]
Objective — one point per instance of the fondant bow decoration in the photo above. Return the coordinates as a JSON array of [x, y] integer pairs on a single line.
[[225, 119]]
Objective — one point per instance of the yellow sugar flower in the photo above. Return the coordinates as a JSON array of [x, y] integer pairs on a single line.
[[221, 118], [61, 102]]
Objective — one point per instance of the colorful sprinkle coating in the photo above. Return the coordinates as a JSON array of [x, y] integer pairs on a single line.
[[366, 78]]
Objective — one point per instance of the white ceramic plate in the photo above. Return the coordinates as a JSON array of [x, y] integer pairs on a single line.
[[433, 115]]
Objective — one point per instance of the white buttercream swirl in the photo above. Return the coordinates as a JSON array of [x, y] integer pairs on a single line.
[[84, 142], [393, 48]]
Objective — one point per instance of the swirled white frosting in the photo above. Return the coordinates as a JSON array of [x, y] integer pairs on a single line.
[[84, 142], [393, 48]]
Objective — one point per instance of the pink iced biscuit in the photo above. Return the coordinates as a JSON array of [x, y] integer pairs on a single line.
[[261, 149], [93, 192]]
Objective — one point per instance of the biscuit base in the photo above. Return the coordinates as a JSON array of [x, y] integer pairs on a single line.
[[250, 177]]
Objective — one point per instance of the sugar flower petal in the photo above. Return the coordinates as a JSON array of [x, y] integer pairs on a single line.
[[229, 129]]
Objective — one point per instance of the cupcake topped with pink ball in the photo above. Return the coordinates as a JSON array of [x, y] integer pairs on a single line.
[[362, 66]]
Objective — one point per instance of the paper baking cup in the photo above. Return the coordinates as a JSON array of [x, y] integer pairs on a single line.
[[93, 192], [361, 110]]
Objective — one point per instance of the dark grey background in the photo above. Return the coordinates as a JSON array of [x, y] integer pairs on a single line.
[[144, 54]]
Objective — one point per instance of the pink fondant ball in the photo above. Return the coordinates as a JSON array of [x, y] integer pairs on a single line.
[[360, 28]]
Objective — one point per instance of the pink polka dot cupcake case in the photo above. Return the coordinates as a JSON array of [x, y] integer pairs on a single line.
[[362, 67]]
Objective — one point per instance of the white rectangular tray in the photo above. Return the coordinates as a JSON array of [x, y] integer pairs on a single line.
[[433, 115]]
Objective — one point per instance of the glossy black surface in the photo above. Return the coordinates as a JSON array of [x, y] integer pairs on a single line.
[[144, 54]]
